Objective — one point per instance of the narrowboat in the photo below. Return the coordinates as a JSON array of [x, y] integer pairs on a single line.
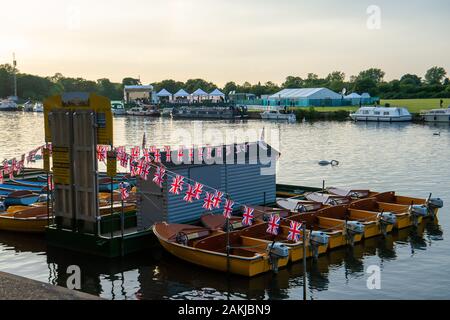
[[382, 114]]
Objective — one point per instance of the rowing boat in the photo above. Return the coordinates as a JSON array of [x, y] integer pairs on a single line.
[[335, 230], [24, 198], [406, 217], [432, 204], [374, 223], [299, 204], [247, 257], [31, 220], [296, 249]]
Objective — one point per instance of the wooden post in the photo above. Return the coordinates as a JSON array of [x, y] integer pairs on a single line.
[[304, 261]]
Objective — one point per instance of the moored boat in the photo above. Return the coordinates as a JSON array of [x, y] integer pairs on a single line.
[[24, 198], [375, 224], [29, 220], [276, 115], [382, 114], [437, 115], [247, 256], [406, 215]]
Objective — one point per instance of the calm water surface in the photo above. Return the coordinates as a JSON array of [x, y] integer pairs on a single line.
[[406, 158]]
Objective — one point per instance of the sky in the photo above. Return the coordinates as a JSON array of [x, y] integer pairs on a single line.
[[224, 40]]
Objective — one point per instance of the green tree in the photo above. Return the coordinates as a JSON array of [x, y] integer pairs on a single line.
[[131, 82], [230, 86], [374, 74], [411, 79], [435, 76], [293, 82]]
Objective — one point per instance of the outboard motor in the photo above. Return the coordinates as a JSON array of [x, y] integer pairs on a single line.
[[385, 219], [353, 228], [277, 251], [433, 204], [317, 239], [2, 207], [417, 211], [302, 209]]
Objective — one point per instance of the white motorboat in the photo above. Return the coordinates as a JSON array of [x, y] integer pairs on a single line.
[[8, 105], [277, 115], [382, 114], [118, 108], [143, 111], [437, 115]]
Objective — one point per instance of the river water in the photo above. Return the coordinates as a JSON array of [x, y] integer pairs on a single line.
[[407, 158]]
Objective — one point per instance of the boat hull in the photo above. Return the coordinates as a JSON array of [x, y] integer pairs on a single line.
[[25, 225], [25, 201], [381, 118]]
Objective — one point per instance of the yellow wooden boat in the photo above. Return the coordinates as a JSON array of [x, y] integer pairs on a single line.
[[375, 224], [248, 257], [432, 204], [405, 217], [30, 220], [335, 230], [296, 249]]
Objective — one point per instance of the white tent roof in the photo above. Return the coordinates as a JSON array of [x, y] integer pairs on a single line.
[[365, 95], [353, 95], [199, 93], [164, 93], [217, 93], [181, 93], [309, 93]]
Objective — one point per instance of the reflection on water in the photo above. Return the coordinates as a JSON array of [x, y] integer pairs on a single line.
[[402, 157]]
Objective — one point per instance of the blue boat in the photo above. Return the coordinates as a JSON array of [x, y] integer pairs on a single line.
[[14, 187], [21, 198], [29, 183]]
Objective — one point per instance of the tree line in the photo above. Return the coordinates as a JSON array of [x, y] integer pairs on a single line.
[[434, 84]]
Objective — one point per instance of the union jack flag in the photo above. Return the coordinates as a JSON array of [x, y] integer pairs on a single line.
[[228, 209], [135, 152], [124, 194], [1, 176], [168, 155], [140, 167], [159, 176], [157, 156], [248, 216], [133, 168], [20, 166], [274, 224], [124, 160], [190, 195], [11, 174], [217, 200], [208, 205], [145, 171], [14, 165], [198, 190], [295, 231], [177, 185], [101, 153], [152, 149], [146, 154]]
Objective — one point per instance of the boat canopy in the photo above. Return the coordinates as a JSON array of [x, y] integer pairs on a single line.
[[164, 93], [181, 93], [217, 93]]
